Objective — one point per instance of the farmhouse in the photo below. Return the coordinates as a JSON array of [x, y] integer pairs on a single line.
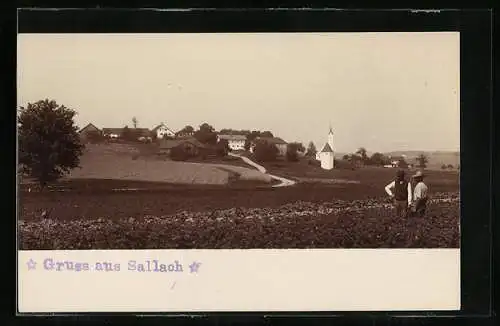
[[278, 142], [190, 146], [88, 131], [112, 133], [115, 133], [184, 134], [396, 161], [235, 142], [162, 130], [326, 154]]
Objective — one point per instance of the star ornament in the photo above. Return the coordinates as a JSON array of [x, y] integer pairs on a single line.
[[31, 264], [194, 267]]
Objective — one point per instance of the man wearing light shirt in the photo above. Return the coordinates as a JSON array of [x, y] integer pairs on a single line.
[[400, 191], [418, 202]]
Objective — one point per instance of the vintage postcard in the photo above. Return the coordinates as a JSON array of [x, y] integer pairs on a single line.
[[238, 172]]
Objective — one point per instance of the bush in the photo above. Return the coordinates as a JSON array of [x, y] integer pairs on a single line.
[[291, 153], [179, 154], [265, 152], [314, 162], [344, 164]]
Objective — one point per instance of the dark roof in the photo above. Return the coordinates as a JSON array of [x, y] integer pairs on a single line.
[[327, 149], [159, 126], [112, 130], [273, 140], [171, 143], [233, 137], [141, 131], [90, 125]]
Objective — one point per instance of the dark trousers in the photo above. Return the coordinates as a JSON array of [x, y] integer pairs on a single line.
[[401, 207], [419, 207]]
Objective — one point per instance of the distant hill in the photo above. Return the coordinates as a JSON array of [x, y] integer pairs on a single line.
[[436, 158]]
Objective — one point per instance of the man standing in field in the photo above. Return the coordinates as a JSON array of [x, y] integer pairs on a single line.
[[402, 193], [418, 202]]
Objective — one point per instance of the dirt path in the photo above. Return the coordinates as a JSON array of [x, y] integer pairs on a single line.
[[283, 181]]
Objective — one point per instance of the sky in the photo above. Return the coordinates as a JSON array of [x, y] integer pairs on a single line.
[[382, 91]]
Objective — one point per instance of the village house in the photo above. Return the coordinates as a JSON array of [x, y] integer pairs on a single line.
[[113, 133], [326, 155], [161, 131], [276, 141], [235, 142], [116, 133], [184, 134], [88, 130], [396, 161], [191, 146]]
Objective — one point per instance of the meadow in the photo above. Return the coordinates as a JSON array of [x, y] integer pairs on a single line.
[[326, 209]]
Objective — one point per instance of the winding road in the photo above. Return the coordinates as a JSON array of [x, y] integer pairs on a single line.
[[283, 181]]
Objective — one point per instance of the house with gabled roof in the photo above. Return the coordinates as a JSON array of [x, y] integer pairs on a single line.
[[88, 131], [280, 144], [162, 130], [235, 142]]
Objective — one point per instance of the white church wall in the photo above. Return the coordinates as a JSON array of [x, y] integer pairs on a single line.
[[327, 161]]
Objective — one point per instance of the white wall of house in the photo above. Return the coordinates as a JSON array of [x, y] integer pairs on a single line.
[[282, 149], [163, 131], [236, 145]]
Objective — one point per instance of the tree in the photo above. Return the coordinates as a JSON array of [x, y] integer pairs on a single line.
[[379, 159], [126, 133], [292, 150], [267, 134], [311, 150], [186, 130], [422, 161], [402, 164], [222, 148], [134, 122], [362, 153], [300, 147], [179, 153], [247, 145], [450, 166], [346, 157], [443, 167], [253, 135], [206, 134], [49, 143], [265, 152]]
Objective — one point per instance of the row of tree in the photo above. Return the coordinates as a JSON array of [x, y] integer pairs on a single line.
[[379, 159]]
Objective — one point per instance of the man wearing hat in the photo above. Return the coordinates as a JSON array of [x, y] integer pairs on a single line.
[[418, 202], [402, 193]]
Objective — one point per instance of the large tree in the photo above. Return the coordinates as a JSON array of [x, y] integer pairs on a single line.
[[362, 153], [186, 130], [311, 150], [135, 122], [48, 139], [292, 150], [422, 161], [206, 134], [379, 159]]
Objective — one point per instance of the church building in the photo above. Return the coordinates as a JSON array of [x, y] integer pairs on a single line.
[[326, 154]]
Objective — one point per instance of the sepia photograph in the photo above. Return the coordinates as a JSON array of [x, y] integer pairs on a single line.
[[238, 141]]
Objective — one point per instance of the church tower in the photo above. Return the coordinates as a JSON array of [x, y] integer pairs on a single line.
[[330, 137], [326, 155]]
